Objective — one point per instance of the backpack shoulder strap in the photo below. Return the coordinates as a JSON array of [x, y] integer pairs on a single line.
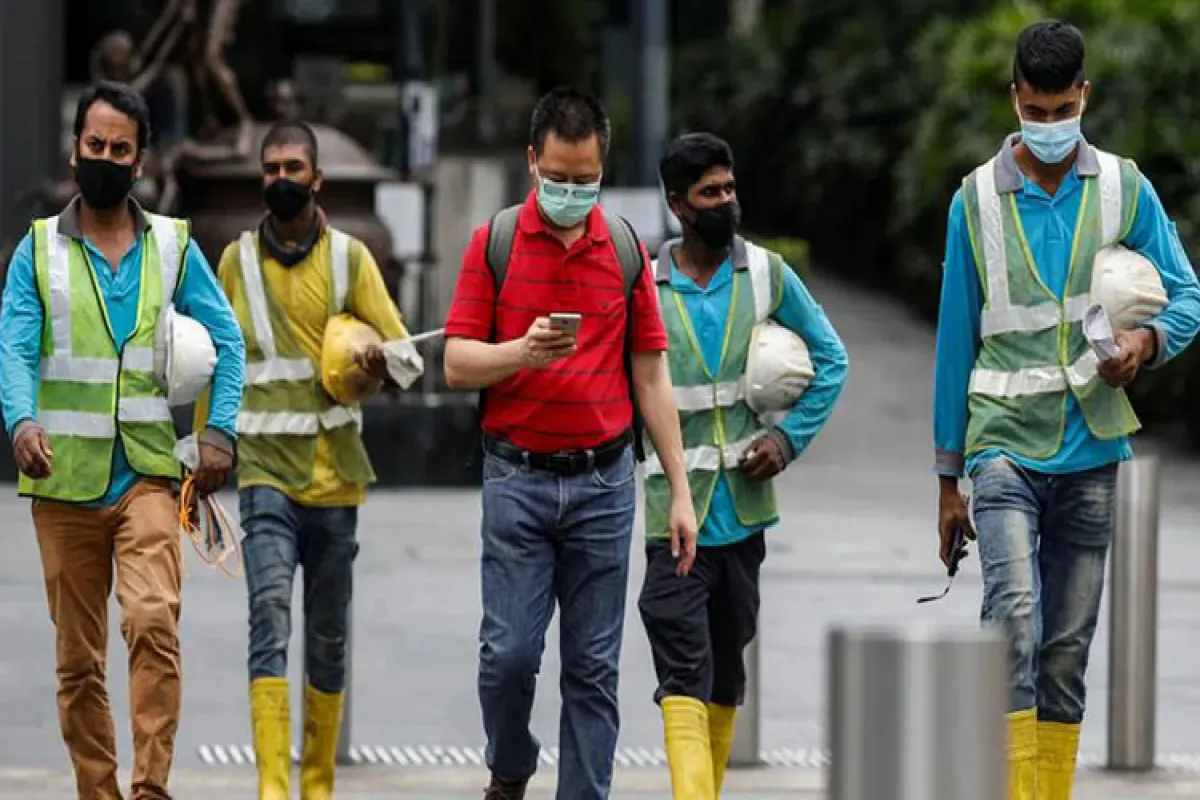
[[501, 231], [629, 251]]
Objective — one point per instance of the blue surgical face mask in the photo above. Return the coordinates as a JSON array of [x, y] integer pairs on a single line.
[[566, 204], [1051, 142]]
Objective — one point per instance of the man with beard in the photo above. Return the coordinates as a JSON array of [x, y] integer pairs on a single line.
[[93, 435], [714, 288], [302, 468]]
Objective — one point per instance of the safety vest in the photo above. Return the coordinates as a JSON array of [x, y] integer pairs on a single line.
[[1033, 350], [91, 389], [284, 407], [716, 423]]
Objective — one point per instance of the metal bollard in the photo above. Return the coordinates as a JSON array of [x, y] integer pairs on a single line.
[[1133, 620], [344, 732], [748, 726], [917, 713]]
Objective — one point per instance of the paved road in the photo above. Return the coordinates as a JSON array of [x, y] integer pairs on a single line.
[[856, 545]]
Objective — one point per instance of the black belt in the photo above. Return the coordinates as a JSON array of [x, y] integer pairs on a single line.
[[563, 462]]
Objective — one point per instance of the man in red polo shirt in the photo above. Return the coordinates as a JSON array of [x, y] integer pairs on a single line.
[[558, 530]]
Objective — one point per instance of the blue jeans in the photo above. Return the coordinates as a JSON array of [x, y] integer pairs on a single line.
[[1043, 543], [546, 540], [280, 536]]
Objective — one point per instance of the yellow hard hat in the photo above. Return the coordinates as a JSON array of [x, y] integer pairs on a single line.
[[342, 378]]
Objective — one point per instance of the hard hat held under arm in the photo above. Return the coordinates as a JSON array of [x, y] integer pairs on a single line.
[[184, 357], [778, 369], [1128, 285]]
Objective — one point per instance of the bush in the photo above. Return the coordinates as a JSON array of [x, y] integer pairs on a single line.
[[793, 251], [1144, 61]]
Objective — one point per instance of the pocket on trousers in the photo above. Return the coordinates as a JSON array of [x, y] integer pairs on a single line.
[[497, 470], [616, 474]]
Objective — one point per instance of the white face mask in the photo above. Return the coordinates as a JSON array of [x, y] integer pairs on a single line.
[[1052, 142]]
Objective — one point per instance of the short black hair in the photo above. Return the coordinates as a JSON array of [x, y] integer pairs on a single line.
[[286, 132], [123, 98], [688, 157], [1049, 57], [572, 115]]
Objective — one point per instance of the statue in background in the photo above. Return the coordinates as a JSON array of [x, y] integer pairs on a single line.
[[210, 38]]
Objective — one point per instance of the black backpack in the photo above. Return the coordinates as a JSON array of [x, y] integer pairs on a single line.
[[501, 231]]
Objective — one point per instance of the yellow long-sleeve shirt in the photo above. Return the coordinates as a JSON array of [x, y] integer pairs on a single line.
[[301, 292]]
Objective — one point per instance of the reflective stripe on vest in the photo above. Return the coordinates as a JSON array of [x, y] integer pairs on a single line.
[[276, 369], [1001, 315]]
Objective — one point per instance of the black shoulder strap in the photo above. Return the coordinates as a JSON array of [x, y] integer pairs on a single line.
[[501, 231], [629, 253]]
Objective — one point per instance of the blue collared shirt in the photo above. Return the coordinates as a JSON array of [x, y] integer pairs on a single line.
[[708, 309], [1049, 223], [198, 296]]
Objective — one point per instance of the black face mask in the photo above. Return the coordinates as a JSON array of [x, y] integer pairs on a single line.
[[716, 226], [104, 184], [286, 198]]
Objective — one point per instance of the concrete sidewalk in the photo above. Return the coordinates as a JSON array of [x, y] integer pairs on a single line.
[[369, 783]]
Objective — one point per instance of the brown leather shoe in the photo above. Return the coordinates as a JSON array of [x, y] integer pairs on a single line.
[[501, 789]]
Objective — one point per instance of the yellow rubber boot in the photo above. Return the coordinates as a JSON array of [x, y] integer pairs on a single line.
[[322, 721], [1023, 755], [272, 737], [689, 754], [1057, 749], [720, 737]]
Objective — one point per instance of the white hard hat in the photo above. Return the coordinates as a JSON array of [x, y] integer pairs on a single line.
[[778, 369], [184, 357], [1128, 285]]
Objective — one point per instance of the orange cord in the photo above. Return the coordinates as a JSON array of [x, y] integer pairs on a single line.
[[213, 535]]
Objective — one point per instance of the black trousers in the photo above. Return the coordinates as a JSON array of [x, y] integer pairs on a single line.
[[699, 624]]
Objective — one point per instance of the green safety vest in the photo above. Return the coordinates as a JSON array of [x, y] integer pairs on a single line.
[[1033, 350], [284, 406], [716, 423], [90, 389]]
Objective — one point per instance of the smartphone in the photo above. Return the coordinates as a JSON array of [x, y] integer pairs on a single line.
[[566, 322]]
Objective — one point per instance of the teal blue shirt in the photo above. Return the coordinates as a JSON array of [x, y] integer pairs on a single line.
[[198, 296], [708, 310]]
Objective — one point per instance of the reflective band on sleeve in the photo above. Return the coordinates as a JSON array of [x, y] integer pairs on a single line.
[[278, 369], [166, 239], [143, 409], [78, 370], [705, 458], [1110, 197], [339, 258], [77, 423], [58, 268], [759, 264], [701, 398], [256, 296], [1035, 380], [138, 359]]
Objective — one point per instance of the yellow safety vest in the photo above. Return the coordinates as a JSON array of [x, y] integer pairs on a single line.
[[90, 391]]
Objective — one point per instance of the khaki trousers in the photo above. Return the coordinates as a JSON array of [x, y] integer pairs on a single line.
[[79, 547]]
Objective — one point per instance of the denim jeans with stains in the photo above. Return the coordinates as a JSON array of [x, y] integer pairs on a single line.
[[547, 541], [1043, 543], [282, 535]]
